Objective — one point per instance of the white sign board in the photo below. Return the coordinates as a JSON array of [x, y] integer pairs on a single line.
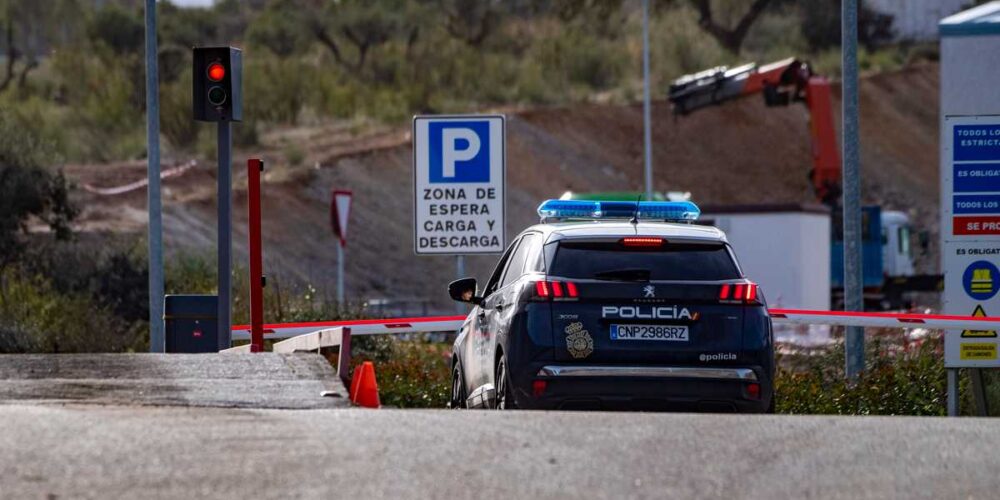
[[459, 169], [970, 229]]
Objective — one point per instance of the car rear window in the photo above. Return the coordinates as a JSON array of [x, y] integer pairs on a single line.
[[671, 261]]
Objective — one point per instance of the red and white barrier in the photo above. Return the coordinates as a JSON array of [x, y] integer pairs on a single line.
[[358, 327], [778, 316], [883, 320]]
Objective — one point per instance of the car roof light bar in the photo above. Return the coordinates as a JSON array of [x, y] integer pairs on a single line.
[[673, 211]]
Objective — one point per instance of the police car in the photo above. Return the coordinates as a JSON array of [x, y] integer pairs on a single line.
[[615, 305]]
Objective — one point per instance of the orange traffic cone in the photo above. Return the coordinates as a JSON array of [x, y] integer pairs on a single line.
[[366, 393]]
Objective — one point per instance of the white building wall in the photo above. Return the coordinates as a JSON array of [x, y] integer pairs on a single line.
[[917, 20]]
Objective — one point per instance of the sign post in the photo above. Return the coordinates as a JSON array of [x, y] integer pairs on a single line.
[[854, 341], [459, 172], [157, 342], [340, 210]]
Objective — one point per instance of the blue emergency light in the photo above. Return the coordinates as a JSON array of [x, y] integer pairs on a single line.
[[677, 211]]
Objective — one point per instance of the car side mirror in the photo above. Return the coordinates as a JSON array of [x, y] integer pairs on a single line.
[[464, 290]]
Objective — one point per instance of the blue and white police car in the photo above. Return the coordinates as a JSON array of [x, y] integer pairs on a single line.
[[615, 305]]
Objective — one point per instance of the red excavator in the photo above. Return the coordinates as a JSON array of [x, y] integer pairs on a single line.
[[781, 83]]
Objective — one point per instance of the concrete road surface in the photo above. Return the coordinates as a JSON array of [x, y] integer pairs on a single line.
[[261, 380], [77, 451]]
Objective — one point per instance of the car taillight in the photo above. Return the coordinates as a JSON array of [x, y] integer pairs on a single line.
[[642, 241], [561, 290], [538, 388], [747, 293], [753, 390]]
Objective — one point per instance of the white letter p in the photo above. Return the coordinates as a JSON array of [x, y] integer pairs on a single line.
[[450, 155]]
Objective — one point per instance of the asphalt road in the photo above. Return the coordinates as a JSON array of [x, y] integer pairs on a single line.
[[91, 451]]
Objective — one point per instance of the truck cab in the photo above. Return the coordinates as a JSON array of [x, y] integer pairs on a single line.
[[897, 260]]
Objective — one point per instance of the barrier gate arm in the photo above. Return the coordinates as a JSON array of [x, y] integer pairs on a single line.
[[883, 320], [778, 316], [358, 327]]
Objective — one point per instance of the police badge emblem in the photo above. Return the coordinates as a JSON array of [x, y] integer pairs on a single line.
[[578, 341]]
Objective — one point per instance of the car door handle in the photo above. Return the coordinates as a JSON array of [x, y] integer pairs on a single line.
[[500, 306]]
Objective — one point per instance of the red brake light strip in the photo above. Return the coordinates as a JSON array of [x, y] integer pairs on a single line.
[[741, 292], [555, 289], [642, 241]]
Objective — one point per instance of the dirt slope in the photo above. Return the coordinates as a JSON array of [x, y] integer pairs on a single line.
[[741, 152]]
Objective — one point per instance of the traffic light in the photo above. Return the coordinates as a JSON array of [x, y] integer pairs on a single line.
[[218, 84]]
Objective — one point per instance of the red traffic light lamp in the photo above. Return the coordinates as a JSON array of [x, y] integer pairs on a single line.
[[216, 72]]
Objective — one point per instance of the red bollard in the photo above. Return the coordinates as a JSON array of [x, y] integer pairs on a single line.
[[254, 168]]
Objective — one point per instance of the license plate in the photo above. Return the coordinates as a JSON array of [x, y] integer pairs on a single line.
[[649, 332]]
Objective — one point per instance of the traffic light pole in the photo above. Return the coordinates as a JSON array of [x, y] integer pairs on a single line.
[[225, 195]]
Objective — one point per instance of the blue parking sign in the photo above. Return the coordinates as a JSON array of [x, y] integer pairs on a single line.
[[459, 165], [459, 151]]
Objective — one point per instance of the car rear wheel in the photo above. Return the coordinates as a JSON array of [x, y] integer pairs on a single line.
[[457, 388], [504, 400]]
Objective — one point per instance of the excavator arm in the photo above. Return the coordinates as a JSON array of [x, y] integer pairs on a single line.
[[781, 83]]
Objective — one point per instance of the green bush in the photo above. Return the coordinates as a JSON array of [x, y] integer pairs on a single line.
[[680, 47], [120, 29], [413, 373], [176, 122], [276, 89], [896, 381], [28, 190], [107, 102], [36, 318], [572, 58], [111, 271]]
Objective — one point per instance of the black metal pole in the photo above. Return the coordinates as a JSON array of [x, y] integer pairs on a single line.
[[225, 233]]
